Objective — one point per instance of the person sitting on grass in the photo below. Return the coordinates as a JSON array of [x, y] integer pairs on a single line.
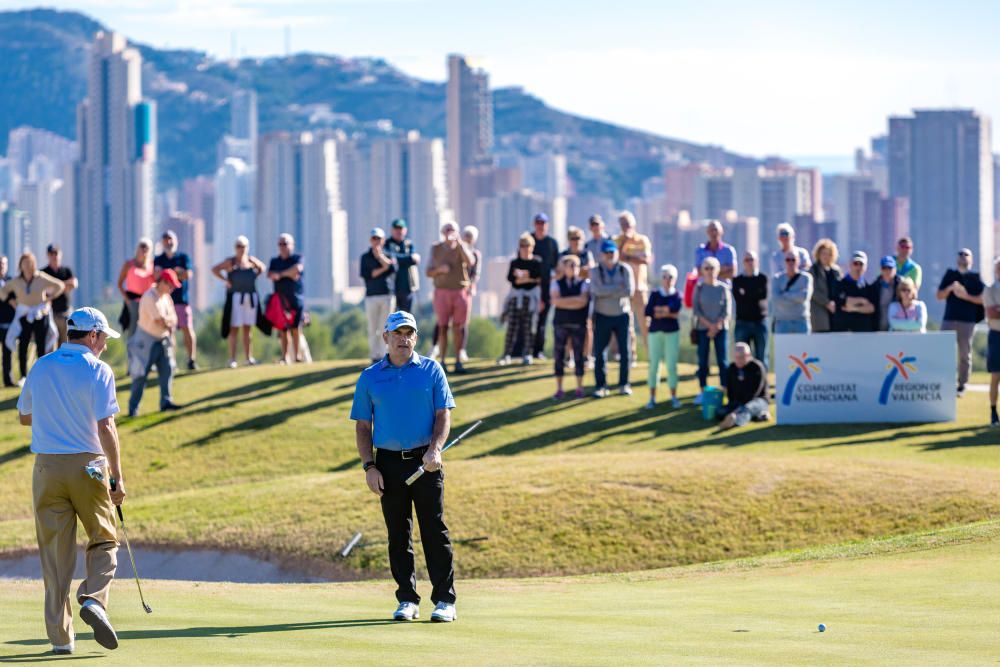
[[571, 299], [664, 340], [746, 390]]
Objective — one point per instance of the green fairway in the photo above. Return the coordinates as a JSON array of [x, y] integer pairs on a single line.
[[263, 460], [930, 599]]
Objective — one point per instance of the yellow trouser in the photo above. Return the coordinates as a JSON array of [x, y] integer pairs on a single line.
[[62, 492]]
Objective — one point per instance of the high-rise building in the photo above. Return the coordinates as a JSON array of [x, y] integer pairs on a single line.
[[298, 192], [940, 160], [115, 176], [38, 155], [47, 208], [15, 233], [545, 174], [198, 201], [469, 120], [235, 184], [848, 209]]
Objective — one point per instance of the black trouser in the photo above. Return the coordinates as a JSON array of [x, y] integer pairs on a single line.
[[398, 502], [404, 301], [543, 320], [38, 330], [7, 379], [565, 333]]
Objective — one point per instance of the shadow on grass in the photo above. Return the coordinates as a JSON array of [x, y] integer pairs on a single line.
[[15, 454], [774, 433], [267, 421], [231, 632], [237, 395], [45, 656], [953, 438]]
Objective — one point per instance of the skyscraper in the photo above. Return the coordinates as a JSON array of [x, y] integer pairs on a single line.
[[469, 130], [116, 131], [235, 183], [940, 160], [298, 191]]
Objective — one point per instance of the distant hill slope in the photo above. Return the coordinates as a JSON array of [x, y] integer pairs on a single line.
[[43, 55]]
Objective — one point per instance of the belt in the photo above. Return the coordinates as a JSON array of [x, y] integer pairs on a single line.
[[405, 454]]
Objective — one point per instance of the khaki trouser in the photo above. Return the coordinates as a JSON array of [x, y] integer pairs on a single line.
[[60, 320], [62, 492]]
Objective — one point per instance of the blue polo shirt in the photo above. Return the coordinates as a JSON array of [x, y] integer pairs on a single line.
[[66, 393], [401, 401]]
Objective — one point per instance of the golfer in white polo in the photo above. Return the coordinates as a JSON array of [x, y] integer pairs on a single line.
[[69, 402]]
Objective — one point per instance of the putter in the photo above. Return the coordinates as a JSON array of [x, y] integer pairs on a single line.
[[121, 517], [420, 471]]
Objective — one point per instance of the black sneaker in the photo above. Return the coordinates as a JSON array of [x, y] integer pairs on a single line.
[[192, 365], [459, 368], [994, 419], [95, 616], [169, 407], [960, 391]]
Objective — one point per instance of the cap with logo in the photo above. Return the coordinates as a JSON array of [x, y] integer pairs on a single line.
[[607, 245], [888, 262], [398, 319], [90, 319], [860, 256], [377, 232]]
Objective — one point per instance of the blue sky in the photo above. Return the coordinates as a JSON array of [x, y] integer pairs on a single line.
[[760, 77]]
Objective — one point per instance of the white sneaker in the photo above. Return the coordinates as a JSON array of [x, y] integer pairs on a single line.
[[93, 614], [65, 649], [463, 356], [541, 356], [590, 363], [20, 383], [675, 402], [626, 390], [251, 362], [435, 352], [406, 611], [504, 360], [444, 612], [233, 364], [698, 399], [601, 393], [526, 360]]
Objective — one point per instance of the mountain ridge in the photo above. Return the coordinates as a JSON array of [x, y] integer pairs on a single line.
[[43, 56]]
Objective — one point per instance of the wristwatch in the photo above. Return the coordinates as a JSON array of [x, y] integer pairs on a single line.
[[368, 465]]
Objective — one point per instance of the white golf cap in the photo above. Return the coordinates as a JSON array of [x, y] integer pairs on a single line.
[[90, 319], [377, 232]]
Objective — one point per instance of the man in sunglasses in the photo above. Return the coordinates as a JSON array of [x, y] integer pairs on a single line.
[[856, 298], [962, 291]]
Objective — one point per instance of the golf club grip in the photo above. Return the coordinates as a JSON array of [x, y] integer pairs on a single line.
[[114, 485], [415, 476]]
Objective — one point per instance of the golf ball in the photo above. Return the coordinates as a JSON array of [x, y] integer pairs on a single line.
[[822, 627]]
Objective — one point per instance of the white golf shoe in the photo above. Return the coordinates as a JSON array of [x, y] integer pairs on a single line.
[[406, 611], [444, 612]]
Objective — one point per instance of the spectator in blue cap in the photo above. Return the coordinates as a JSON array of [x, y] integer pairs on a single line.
[[888, 289], [612, 286]]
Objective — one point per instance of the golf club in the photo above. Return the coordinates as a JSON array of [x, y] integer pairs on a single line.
[[420, 471], [350, 545], [121, 517]]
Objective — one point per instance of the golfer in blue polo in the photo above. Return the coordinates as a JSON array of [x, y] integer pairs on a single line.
[[402, 413]]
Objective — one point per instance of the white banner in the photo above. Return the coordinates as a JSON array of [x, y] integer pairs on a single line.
[[865, 377]]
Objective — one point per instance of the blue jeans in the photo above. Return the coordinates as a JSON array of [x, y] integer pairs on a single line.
[[704, 341], [791, 326], [755, 335], [157, 357], [604, 326]]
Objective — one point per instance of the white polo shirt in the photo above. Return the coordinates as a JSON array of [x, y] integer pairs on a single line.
[[66, 393]]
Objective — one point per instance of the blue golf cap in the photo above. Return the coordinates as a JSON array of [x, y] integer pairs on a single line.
[[541, 217], [400, 318], [888, 262], [90, 319], [607, 245]]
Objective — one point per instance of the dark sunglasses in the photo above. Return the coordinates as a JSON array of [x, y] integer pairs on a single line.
[[789, 260], [859, 263], [964, 254]]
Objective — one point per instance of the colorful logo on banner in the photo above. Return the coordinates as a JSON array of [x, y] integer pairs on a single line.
[[901, 367], [803, 365]]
